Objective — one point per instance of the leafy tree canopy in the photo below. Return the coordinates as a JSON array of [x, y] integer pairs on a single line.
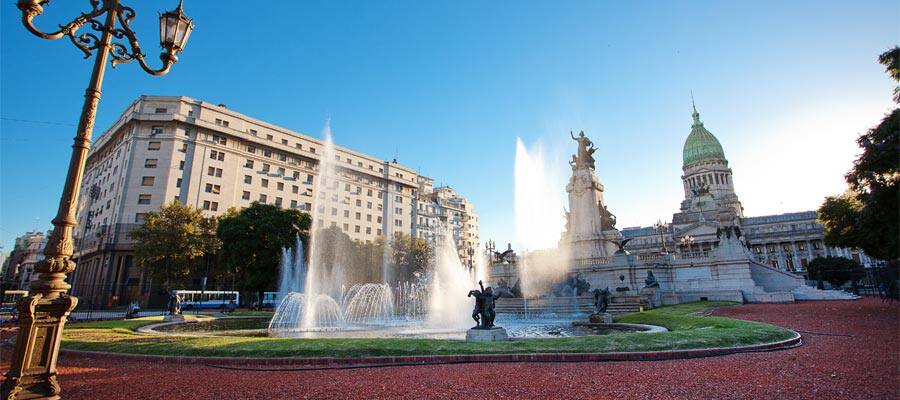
[[252, 239], [171, 240], [835, 270], [867, 215]]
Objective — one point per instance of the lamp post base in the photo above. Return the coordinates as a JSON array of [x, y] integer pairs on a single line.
[[32, 373]]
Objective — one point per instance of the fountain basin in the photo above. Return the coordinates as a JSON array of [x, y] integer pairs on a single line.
[[398, 328]]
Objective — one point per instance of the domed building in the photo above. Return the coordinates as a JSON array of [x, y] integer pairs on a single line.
[[707, 180]]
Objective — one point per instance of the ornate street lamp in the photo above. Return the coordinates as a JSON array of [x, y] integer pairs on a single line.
[[661, 228], [689, 242], [43, 314]]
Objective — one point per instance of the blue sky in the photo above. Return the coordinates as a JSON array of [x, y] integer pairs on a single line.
[[446, 87]]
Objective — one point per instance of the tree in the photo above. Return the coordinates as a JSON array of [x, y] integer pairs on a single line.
[[835, 270], [171, 241], [866, 216], [252, 240], [411, 257]]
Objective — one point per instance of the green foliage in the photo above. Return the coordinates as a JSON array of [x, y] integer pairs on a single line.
[[687, 331], [891, 61], [866, 216], [835, 270], [411, 257], [171, 242], [252, 239]]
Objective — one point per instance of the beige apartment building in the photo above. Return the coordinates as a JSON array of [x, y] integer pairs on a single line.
[[441, 210], [205, 155]]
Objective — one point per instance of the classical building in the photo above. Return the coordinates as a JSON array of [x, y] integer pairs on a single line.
[[164, 149], [710, 250], [441, 210], [18, 270], [787, 242]]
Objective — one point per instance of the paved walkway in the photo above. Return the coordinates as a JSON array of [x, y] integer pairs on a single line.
[[851, 351]]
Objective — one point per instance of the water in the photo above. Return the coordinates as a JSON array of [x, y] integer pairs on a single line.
[[539, 220], [315, 296]]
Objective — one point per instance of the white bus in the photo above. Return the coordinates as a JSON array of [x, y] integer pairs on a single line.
[[197, 300]]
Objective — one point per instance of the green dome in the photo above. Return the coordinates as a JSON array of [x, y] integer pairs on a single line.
[[701, 144]]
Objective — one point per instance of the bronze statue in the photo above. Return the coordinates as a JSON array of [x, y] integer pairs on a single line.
[[601, 300], [174, 305], [484, 313], [620, 244], [650, 282]]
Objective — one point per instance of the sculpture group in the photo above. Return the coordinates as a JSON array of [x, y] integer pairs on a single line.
[[484, 313]]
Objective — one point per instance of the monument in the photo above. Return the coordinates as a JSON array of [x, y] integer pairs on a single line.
[[484, 314], [589, 225]]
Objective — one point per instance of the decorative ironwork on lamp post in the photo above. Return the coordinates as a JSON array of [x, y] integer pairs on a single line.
[[43, 314], [661, 228]]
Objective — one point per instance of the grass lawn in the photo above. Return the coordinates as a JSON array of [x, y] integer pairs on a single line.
[[687, 331]]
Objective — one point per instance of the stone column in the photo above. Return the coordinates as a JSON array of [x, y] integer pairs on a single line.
[[795, 256], [782, 264]]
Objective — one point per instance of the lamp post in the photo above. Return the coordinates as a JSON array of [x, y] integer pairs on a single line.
[[689, 242], [43, 313], [661, 228]]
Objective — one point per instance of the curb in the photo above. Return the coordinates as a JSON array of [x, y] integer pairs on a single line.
[[790, 343]]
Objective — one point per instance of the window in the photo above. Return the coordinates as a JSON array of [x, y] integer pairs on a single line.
[[346, 213], [156, 130], [144, 199], [181, 165], [309, 179], [295, 189], [253, 132], [140, 217], [248, 164], [280, 171], [358, 203], [282, 157], [246, 195], [248, 179], [217, 155], [368, 218], [184, 147], [378, 220], [262, 198], [334, 212], [210, 205], [369, 205], [293, 203], [266, 167], [265, 183], [153, 145], [219, 138], [213, 171], [346, 227], [398, 222], [150, 163], [358, 216], [296, 175], [214, 189], [284, 142], [299, 146], [267, 153], [268, 137], [278, 201], [308, 207], [251, 149], [356, 229], [312, 149], [178, 183], [280, 186], [222, 123], [368, 230], [147, 180], [160, 110], [190, 113]]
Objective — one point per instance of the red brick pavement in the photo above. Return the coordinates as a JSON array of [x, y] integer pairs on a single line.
[[851, 351]]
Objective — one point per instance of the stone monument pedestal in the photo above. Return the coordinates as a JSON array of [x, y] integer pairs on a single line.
[[495, 334], [601, 318], [173, 318]]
